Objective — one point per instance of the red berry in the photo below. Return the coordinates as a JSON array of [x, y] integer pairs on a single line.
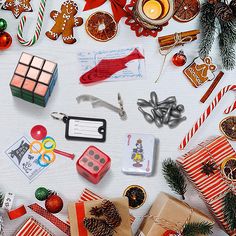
[[179, 59], [54, 204]]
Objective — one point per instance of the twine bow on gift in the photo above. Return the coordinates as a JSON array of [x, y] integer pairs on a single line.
[[208, 65], [178, 227], [116, 6]]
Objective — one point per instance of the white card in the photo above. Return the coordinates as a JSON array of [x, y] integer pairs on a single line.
[[27, 162], [135, 68]]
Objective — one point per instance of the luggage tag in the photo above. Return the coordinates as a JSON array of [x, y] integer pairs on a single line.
[[82, 128]]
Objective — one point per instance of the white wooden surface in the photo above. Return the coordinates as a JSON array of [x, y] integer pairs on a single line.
[[17, 116]]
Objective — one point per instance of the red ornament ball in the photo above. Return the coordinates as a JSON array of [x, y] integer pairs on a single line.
[[179, 59], [5, 40], [54, 204], [170, 233]]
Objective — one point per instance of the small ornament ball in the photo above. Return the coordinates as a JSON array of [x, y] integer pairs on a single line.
[[170, 233], [179, 59], [54, 204], [5, 40], [3, 24], [42, 193]]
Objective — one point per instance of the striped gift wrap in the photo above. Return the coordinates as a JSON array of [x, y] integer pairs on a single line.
[[32, 228], [211, 188]]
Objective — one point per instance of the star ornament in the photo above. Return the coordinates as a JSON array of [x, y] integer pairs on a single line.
[[17, 6]]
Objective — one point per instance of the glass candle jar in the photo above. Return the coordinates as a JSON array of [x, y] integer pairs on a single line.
[[152, 14]]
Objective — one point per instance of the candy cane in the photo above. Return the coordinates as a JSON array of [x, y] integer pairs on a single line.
[[37, 29], [207, 112]]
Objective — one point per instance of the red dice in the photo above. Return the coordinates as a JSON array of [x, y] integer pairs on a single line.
[[93, 164]]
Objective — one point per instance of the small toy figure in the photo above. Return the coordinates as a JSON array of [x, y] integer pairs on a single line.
[[65, 21], [137, 154]]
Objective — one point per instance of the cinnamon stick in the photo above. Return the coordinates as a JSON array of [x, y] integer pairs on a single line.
[[170, 39], [183, 34], [212, 87], [170, 43]]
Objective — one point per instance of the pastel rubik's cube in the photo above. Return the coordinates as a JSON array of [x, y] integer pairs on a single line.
[[34, 79]]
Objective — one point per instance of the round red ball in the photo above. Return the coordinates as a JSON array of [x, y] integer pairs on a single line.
[[179, 59], [5, 40], [54, 204]]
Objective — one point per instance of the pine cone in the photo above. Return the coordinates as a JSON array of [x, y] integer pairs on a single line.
[[233, 6], [96, 211], [111, 214], [223, 11], [98, 227]]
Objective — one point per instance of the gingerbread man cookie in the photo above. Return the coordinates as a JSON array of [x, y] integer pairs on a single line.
[[65, 21]]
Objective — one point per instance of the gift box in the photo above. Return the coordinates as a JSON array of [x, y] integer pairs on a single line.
[[207, 167], [80, 210], [32, 228], [169, 214], [88, 195]]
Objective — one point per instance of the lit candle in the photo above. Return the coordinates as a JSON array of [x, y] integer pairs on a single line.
[[152, 9]]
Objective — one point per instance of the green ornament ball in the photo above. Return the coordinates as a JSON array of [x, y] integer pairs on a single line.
[[42, 193], [3, 24]]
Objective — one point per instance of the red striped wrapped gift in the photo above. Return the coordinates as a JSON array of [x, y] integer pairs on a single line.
[[213, 187], [32, 228]]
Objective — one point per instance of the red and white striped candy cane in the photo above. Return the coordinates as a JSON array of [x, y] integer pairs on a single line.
[[38, 28], [207, 112]]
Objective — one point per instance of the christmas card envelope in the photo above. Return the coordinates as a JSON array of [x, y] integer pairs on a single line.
[[168, 213], [138, 156], [80, 210], [211, 167]]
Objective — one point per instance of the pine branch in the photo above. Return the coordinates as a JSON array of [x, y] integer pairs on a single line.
[[193, 229], [208, 27], [227, 39], [230, 209], [174, 177]]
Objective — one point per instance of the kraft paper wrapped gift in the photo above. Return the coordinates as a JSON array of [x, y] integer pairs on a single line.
[[79, 210], [169, 213], [212, 188]]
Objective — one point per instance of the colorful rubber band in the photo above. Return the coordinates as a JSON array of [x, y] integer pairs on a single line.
[[49, 140], [40, 158], [52, 159], [32, 145]]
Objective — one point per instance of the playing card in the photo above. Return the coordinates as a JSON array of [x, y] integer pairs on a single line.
[[139, 154]]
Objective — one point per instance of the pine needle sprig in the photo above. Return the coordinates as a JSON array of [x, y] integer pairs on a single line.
[[230, 209], [227, 39], [193, 229], [174, 177], [208, 28]]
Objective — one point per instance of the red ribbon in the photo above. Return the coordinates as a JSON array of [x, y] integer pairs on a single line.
[[116, 6]]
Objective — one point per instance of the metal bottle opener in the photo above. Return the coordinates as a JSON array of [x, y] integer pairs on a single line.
[[97, 102]]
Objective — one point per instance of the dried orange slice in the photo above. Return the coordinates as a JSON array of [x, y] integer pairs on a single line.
[[228, 168], [228, 127], [166, 8], [101, 26], [186, 10]]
